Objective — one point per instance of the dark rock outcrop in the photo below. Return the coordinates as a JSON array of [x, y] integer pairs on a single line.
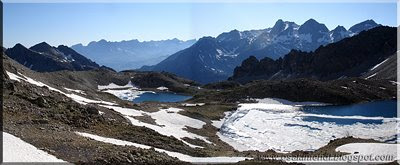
[[351, 57], [344, 91]]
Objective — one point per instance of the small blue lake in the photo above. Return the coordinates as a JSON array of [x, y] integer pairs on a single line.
[[351, 114], [161, 97]]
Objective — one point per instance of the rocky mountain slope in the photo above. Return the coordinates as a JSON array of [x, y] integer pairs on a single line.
[[350, 57], [45, 58], [131, 54], [344, 91], [386, 69], [214, 59], [48, 118]]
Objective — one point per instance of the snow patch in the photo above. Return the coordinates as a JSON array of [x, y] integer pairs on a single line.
[[83, 100], [370, 149], [178, 155], [168, 122], [126, 94], [376, 66], [191, 145], [77, 98], [394, 82], [17, 150], [371, 76], [193, 104], [115, 86], [162, 88], [14, 76], [75, 90]]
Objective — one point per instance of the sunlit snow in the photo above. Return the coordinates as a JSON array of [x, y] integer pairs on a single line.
[[115, 86], [17, 150], [126, 94], [162, 88], [277, 126], [75, 97], [369, 149], [376, 66], [75, 90], [169, 122], [178, 155]]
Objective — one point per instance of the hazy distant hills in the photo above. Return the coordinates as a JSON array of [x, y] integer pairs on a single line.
[[131, 54], [45, 58], [369, 54], [213, 59]]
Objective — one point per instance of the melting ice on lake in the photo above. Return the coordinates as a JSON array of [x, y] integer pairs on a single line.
[[284, 127]]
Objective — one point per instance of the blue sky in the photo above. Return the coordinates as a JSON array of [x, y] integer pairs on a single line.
[[72, 23]]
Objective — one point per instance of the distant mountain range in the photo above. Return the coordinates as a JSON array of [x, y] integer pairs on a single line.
[[45, 58], [214, 59], [131, 54], [369, 53]]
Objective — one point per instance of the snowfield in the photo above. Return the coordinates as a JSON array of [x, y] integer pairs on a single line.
[[17, 150], [162, 88], [193, 104], [127, 92], [377, 65], [168, 122], [79, 99], [180, 156], [372, 75], [115, 86], [370, 149], [76, 91], [278, 125]]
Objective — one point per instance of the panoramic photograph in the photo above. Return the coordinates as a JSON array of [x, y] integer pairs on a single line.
[[199, 82]]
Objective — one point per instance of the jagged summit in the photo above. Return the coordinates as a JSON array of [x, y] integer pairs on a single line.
[[311, 26], [18, 45], [41, 47], [279, 27], [231, 48], [365, 25], [339, 29]]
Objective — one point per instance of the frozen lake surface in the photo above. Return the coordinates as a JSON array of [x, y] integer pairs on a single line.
[[287, 126]]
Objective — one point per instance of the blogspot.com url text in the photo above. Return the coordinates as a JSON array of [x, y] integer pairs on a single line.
[[333, 158]]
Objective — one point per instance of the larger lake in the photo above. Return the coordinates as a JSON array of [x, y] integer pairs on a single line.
[[349, 114], [283, 127]]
